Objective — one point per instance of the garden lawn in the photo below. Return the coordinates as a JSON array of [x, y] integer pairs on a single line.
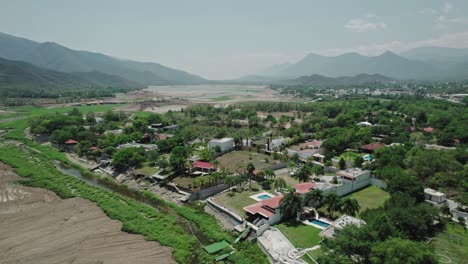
[[290, 181], [147, 170], [454, 249], [300, 235], [239, 200], [370, 197]]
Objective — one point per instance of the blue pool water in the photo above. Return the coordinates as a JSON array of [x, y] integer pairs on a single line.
[[264, 197], [318, 222]]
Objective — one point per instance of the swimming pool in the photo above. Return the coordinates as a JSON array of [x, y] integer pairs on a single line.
[[319, 223], [264, 197]]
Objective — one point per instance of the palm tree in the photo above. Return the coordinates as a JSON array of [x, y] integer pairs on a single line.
[[230, 181], [280, 183], [332, 200], [290, 204], [250, 171], [269, 173], [315, 197], [350, 206]]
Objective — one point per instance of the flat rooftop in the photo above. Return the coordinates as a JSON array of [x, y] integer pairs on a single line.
[[433, 192], [351, 173]]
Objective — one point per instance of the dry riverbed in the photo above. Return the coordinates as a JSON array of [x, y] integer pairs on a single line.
[[36, 226]]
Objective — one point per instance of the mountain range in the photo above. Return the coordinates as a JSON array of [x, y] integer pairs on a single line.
[[419, 65], [53, 56], [320, 80], [19, 78]]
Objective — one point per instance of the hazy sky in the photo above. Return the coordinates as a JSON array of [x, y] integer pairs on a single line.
[[226, 39]]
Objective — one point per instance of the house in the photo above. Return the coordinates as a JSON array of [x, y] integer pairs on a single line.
[[71, 142], [223, 143], [332, 230], [315, 144], [268, 209], [303, 188], [203, 166], [70, 145], [367, 124], [274, 144], [372, 147], [434, 197]]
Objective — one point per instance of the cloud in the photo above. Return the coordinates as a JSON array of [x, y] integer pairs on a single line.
[[454, 40], [370, 15], [446, 8], [363, 25]]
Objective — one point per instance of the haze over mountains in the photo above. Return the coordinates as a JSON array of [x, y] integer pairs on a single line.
[[53, 56], [50, 65], [420, 64]]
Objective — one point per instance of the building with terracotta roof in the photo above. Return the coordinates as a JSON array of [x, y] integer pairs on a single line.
[[71, 142], [203, 166], [372, 147], [268, 209], [428, 129]]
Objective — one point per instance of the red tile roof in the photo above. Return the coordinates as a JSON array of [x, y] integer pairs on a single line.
[[303, 188], [272, 202], [93, 148], [258, 209], [372, 146], [203, 165], [71, 142], [161, 136], [428, 129]]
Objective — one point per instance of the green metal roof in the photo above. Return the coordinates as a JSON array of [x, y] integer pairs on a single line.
[[218, 258], [213, 248]]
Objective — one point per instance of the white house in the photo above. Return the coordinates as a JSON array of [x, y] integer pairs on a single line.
[[223, 143], [434, 197], [339, 224]]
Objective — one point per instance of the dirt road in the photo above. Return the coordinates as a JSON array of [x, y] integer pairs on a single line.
[[38, 227]]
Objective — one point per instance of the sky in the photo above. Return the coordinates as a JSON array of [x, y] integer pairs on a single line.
[[227, 39]]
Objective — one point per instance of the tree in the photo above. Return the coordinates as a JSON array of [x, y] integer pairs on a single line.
[[358, 161], [384, 227], [314, 197], [397, 250], [342, 164], [332, 201], [230, 181], [178, 158], [250, 173], [270, 174], [128, 157], [350, 206], [407, 184], [206, 154], [279, 183], [290, 204]]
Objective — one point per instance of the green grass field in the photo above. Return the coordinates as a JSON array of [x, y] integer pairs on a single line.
[[239, 200], [452, 244], [300, 235], [370, 197]]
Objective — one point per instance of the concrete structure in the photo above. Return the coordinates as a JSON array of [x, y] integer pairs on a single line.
[[354, 174], [223, 143], [268, 209], [434, 197], [147, 147], [339, 224]]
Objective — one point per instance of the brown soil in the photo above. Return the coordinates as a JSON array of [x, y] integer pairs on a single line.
[[37, 227]]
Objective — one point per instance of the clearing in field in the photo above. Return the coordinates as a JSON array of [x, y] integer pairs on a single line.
[[236, 160], [451, 246], [370, 197]]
